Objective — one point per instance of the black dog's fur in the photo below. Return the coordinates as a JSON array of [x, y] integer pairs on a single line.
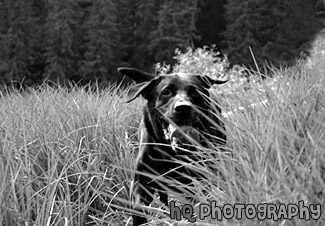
[[171, 98]]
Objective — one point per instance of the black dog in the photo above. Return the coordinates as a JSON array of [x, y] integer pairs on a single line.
[[173, 101]]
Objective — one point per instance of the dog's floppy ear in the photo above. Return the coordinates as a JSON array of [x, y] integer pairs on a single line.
[[145, 82], [144, 89], [208, 82], [135, 74]]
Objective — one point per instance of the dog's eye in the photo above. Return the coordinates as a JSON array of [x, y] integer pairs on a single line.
[[166, 92]]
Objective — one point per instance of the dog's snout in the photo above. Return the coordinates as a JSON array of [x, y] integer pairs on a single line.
[[183, 107]]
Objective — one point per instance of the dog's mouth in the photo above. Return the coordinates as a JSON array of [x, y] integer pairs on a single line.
[[180, 135]]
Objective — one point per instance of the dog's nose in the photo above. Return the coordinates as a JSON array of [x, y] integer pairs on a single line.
[[183, 107]]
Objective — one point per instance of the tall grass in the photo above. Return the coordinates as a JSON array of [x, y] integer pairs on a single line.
[[278, 146], [66, 155]]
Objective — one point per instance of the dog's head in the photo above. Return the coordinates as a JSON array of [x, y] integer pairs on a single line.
[[174, 100]]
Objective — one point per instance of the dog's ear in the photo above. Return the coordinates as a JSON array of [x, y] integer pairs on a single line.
[[135, 74], [145, 82], [144, 89], [208, 82]]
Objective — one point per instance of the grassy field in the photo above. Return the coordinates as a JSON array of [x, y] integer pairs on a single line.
[[66, 155]]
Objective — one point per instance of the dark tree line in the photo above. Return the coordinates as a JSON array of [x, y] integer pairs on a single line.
[[85, 40], [277, 31]]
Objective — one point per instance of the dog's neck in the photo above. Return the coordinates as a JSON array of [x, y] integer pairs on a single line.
[[152, 128]]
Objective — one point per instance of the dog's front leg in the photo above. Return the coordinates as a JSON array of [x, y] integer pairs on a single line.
[[163, 197], [143, 196], [143, 193]]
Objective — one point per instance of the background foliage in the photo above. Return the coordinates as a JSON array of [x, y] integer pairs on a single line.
[[278, 31], [84, 41]]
